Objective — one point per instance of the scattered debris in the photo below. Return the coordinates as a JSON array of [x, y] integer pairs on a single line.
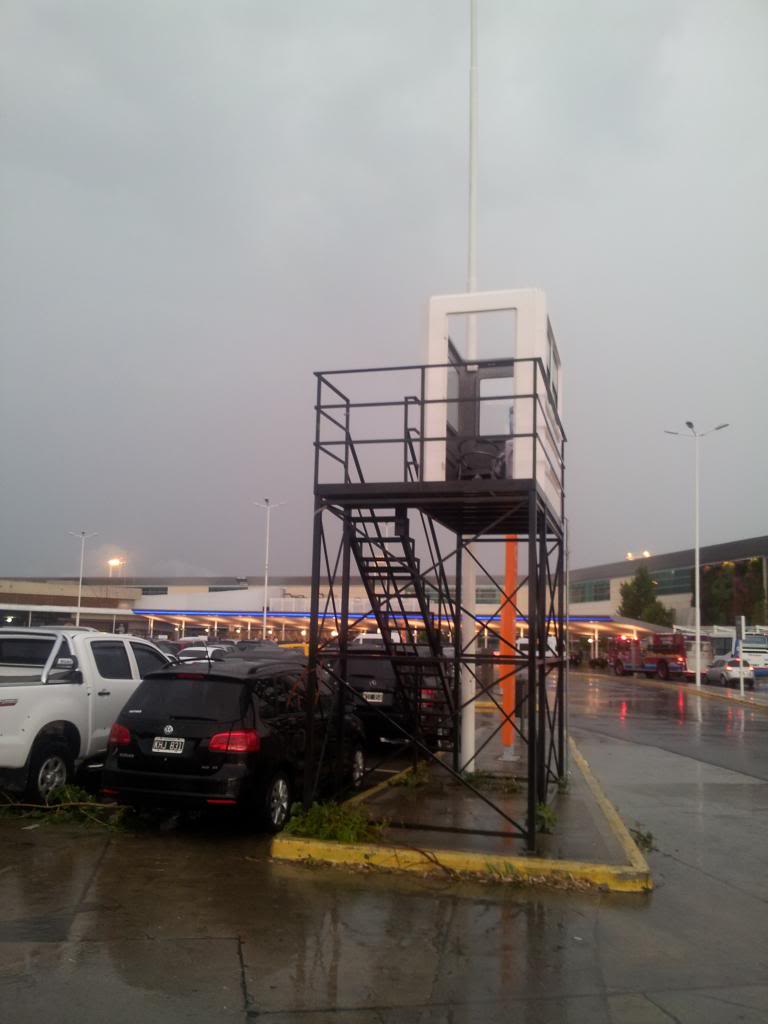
[[68, 804], [644, 839]]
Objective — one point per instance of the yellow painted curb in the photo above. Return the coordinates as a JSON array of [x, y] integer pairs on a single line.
[[366, 794], [746, 702], [634, 876], [459, 863], [636, 860]]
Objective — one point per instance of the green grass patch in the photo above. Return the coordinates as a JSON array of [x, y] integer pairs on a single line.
[[546, 819], [338, 822], [507, 785], [502, 872]]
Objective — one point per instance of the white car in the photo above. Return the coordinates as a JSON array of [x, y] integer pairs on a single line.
[[726, 672], [60, 692], [210, 652]]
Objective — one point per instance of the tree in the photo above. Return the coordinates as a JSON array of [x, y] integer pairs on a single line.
[[639, 601], [729, 589]]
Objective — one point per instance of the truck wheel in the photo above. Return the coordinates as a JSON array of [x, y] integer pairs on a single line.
[[618, 668], [663, 670], [51, 767]]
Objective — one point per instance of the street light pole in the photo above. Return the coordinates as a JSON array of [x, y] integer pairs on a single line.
[[268, 506], [697, 436], [83, 538], [468, 684], [697, 567]]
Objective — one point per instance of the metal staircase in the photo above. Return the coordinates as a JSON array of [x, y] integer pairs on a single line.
[[393, 581]]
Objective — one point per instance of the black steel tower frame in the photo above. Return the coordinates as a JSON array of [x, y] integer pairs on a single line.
[[429, 629]]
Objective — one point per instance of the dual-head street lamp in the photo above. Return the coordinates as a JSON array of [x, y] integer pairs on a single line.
[[83, 537], [697, 436]]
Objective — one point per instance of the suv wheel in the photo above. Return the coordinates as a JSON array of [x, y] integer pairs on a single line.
[[358, 767], [51, 768], [277, 803]]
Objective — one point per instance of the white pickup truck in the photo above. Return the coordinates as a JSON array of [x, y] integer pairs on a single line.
[[60, 692]]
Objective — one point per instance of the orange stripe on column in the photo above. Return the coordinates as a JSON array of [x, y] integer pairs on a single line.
[[508, 629]]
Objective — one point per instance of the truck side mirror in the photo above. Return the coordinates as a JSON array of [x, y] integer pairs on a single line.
[[66, 669]]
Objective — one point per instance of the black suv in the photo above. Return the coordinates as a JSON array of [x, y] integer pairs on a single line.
[[228, 733], [390, 709]]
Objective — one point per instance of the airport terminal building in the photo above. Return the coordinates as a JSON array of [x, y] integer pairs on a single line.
[[234, 605]]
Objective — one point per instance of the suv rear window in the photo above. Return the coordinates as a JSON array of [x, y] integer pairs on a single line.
[[26, 650], [175, 697], [368, 670]]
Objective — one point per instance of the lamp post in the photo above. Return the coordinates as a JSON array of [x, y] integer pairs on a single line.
[[83, 538], [268, 506], [697, 436]]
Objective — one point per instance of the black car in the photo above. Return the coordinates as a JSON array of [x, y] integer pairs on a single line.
[[226, 734], [246, 646], [391, 709]]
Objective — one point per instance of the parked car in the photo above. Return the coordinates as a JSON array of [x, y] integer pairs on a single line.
[[254, 645], [389, 709], [227, 734], [169, 647], [60, 692], [207, 652], [726, 672], [192, 641]]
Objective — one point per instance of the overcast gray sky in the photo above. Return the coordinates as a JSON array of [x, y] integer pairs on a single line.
[[204, 202]]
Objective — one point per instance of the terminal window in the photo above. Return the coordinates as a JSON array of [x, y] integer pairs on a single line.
[[673, 581], [590, 590]]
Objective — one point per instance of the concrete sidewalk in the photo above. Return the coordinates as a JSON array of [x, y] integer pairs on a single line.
[[434, 823]]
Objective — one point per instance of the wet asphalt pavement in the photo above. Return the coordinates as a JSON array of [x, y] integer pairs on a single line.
[[195, 923]]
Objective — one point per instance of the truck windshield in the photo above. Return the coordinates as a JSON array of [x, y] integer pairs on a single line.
[[29, 651], [755, 642]]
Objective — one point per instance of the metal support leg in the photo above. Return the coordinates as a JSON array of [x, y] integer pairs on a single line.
[[542, 624], [343, 645], [314, 641], [533, 581]]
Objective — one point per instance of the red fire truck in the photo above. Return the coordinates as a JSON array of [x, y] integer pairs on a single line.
[[666, 655]]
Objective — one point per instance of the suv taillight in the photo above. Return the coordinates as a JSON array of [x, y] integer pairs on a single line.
[[242, 741], [119, 736]]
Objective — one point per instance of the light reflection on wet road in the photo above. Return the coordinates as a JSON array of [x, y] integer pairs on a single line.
[[708, 730]]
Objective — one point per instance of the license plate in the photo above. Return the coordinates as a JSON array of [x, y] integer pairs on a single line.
[[165, 745], [373, 697]]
